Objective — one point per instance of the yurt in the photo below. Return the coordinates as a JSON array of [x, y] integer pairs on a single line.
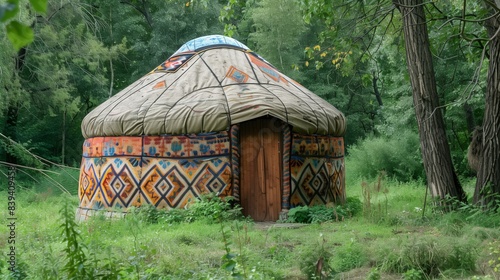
[[214, 117]]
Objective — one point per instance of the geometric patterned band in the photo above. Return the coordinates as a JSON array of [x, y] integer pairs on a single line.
[[317, 170], [165, 171]]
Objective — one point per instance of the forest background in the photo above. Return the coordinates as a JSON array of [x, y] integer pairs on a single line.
[[351, 53]]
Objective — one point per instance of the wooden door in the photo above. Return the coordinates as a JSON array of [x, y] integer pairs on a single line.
[[260, 169]]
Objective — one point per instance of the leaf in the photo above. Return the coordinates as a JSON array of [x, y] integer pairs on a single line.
[[19, 34], [8, 10], [39, 5]]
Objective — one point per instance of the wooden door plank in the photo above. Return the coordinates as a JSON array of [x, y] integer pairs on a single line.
[[273, 174], [260, 167]]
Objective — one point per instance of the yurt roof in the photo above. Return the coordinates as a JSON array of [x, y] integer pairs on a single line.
[[209, 84]]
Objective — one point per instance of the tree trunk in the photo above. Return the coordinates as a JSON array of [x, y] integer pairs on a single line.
[[488, 176], [442, 180]]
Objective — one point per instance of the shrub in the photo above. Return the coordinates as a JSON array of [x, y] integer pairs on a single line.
[[324, 213], [211, 208], [77, 264], [398, 156], [299, 214], [208, 207], [148, 213]]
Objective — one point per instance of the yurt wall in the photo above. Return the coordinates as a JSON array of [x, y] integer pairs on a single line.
[[317, 170], [165, 171]]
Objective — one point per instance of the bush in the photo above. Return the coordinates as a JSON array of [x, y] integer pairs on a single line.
[[324, 213], [148, 213], [208, 207], [211, 208], [399, 156]]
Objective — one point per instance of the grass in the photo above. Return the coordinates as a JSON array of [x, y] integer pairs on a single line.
[[393, 238]]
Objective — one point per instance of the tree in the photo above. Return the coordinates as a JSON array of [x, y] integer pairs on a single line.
[[364, 19], [442, 180], [153, 29], [488, 176], [51, 77], [278, 28]]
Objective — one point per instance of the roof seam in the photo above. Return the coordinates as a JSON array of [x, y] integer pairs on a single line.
[[317, 122], [168, 87], [123, 98], [319, 105], [228, 112]]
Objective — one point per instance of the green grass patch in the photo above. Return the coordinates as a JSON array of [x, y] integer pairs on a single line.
[[390, 235]]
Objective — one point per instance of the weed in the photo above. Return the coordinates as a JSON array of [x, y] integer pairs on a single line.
[[77, 265], [229, 261], [20, 271], [210, 207], [494, 257], [375, 208], [324, 213], [237, 263], [175, 216], [348, 257], [148, 213], [315, 261], [413, 274], [299, 214], [374, 274], [177, 244]]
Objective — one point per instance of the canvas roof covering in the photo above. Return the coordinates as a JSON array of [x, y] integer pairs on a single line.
[[209, 84]]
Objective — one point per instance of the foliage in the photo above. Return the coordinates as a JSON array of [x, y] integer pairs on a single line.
[[278, 29], [462, 211], [398, 157], [494, 256], [315, 260], [209, 208], [237, 263], [77, 263], [374, 206], [85, 51], [348, 257], [324, 213], [413, 274], [19, 33], [213, 208]]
